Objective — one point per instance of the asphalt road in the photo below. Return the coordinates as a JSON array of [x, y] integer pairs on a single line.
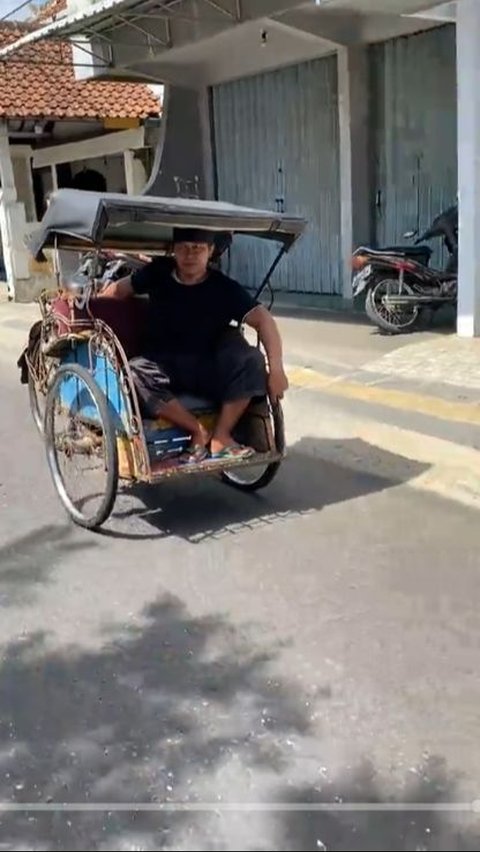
[[315, 644]]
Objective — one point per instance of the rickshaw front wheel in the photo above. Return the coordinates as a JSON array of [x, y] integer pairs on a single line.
[[81, 446], [255, 477]]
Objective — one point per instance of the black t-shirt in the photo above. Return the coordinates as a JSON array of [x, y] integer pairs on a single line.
[[189, 319]]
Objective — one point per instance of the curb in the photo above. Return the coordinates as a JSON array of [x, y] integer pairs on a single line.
[[451, 471], [415, 403], [14, 330]]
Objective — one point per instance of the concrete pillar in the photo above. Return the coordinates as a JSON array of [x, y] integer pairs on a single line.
[[30, 201], [13, 225], [128, 158], [207, 143], [53, 171], [468, 84], [183, 163], [353, 113]]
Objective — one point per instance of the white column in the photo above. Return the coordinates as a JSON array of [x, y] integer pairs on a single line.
[[468, 85], [128, 159], [53, 170], [30, 205], [355, 207], [207, 142], [13, 225]]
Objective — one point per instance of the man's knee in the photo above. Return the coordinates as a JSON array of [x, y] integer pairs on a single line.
[[243, 373], [256, 357], [253, 369], [151, 380]]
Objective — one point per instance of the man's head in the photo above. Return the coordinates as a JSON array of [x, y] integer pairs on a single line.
[[193, 248]]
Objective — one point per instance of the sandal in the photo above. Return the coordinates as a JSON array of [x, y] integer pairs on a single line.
[[235, 451], [194, 455]]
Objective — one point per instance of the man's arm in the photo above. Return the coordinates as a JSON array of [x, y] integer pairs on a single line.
[[142, 281], [262, 321], [121, 289]]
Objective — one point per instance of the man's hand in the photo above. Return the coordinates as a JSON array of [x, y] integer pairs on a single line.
[[121, 289], [277, 383]]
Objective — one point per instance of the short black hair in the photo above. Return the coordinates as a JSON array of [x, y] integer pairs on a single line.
[[193, 235]]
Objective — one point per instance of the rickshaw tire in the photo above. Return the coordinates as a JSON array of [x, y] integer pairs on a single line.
[[105, 509], [33, 394], [272, 469], [34, 404]]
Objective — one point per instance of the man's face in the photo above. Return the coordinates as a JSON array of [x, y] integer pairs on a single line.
[[192, 258]]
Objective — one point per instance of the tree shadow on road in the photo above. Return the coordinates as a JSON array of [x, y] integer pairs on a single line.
[[388, 823], [29, 560], [160, 712], [316, 474]]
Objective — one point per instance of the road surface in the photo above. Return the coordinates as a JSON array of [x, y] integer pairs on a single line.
[[256, 657]]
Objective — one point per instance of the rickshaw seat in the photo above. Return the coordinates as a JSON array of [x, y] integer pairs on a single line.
[[128, 319], [196, 403]]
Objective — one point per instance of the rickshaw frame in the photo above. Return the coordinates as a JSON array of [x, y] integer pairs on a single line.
[[85, 345]]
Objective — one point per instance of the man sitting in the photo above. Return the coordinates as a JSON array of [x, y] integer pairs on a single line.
[[195, 350]]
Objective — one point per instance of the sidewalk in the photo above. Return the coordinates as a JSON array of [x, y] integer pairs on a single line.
[[15, 322], [431, 377], [436, 374], [416, 396]]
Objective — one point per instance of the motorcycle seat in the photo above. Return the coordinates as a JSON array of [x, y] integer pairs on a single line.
[[401, 251]]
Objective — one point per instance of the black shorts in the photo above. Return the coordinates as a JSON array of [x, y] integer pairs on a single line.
[[234, 371]]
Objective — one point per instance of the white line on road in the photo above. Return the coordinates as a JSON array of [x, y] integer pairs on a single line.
[[271, 807]]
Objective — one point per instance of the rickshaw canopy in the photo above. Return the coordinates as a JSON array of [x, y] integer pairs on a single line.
[[79, 219]]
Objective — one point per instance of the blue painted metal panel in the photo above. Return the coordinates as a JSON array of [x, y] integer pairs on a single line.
[[78, 399]]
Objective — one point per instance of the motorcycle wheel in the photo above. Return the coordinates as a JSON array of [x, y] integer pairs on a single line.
[[391, 320]]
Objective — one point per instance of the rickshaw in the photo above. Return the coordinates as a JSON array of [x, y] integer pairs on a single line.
[[76, 362]]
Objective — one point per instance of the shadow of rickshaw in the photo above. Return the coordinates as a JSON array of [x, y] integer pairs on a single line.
[[317, 473]]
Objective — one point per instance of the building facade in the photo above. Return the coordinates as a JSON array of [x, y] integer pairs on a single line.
[[347, 112], [58, 131]]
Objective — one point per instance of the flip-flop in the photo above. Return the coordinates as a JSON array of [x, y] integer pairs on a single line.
[[194, 455], [235, 451]]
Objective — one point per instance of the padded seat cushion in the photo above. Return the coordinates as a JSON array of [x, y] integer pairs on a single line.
[[128, 319], [408, 251], [196, 403]]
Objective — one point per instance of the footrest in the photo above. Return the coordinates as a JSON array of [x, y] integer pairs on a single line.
[[170, 467]]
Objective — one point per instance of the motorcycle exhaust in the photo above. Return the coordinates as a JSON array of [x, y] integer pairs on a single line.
[[415, 300]]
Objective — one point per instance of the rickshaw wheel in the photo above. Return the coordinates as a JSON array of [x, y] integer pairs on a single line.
[[254, 478], [34, 394], [88, 436], [38, 387]]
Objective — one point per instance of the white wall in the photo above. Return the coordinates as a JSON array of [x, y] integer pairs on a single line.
[[111, 168], [23, 184]]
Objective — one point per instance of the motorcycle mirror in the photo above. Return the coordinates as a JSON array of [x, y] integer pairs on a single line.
[[410, 234]]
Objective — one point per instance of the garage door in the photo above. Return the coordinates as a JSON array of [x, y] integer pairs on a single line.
[[414, 131], [276, 147]]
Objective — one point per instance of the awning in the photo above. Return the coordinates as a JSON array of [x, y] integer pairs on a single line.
[[95, 22], [102, 20]]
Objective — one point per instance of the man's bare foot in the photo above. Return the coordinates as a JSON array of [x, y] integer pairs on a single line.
[[220, 443], [201, 437], [197, 452], [226, 446]]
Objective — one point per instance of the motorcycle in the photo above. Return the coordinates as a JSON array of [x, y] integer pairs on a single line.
[[400, 285]]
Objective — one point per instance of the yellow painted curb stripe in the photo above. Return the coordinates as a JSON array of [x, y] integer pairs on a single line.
[[442, 409]]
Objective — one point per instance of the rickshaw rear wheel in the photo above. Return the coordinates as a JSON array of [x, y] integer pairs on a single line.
[[34, 399], [251, 478], [102, 433]]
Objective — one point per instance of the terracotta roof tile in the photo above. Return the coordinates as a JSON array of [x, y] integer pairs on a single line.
[[41, 82], [50, 11]]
